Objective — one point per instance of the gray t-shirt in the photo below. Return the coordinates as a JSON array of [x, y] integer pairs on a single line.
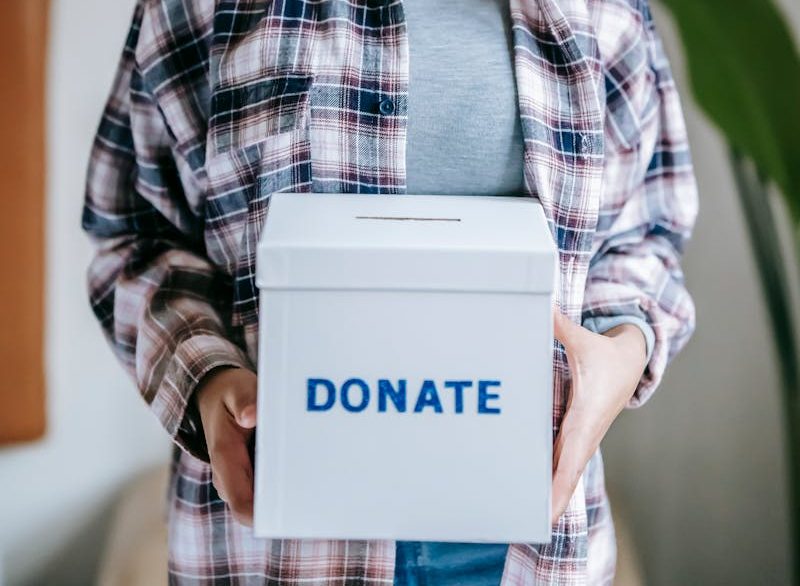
[[464, 133]]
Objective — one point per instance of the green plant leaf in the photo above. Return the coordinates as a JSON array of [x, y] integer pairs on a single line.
[[745, 73]]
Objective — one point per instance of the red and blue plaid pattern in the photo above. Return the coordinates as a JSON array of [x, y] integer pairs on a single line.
[[219, 103]]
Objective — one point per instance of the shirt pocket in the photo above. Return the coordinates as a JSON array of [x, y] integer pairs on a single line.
[[257, 144], [247, 114]]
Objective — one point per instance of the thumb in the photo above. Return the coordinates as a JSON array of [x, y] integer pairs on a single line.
[[564, 329], [246, 417], [240, 399]]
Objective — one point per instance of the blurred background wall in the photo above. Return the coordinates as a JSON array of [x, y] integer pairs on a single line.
[[57, 493], [698, 472]]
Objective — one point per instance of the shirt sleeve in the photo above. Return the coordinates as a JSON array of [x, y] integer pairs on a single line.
[[159, 300], [644, 221]]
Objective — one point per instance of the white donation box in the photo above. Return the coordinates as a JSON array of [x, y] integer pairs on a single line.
[[405, 368]]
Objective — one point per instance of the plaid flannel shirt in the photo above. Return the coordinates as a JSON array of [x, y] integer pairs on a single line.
[[219, 103]]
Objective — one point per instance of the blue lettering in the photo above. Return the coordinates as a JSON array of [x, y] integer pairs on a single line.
[[355, 395], [458, 387], [346, 396], [428, 397], [312, 404], [398, 396], [484, 395]]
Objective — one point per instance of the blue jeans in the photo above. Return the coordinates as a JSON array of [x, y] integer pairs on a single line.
[[433, 563]]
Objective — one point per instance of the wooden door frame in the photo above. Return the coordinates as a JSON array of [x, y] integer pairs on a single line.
[[23, 57]]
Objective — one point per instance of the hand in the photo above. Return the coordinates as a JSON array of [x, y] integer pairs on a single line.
[[226, 399], [605, 372]]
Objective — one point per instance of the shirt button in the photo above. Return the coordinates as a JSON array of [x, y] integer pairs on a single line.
[[386, 107]]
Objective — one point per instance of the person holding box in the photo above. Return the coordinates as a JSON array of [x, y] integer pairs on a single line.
[[218, 104]]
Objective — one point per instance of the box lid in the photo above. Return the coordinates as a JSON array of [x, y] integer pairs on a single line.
[[406, 242]]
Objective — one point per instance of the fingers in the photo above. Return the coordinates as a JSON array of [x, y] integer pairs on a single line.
[[232, 471]]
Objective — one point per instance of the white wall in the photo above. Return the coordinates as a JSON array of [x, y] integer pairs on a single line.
[[55, 492], [700, 469]]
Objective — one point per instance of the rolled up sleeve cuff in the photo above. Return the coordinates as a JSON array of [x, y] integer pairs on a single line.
[[601, 324], [193, 359]]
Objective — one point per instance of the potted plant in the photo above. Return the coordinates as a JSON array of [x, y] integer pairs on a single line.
[[744, 69]]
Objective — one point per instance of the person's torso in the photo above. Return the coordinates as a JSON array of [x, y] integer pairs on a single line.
[[315, 96], [310, 96]]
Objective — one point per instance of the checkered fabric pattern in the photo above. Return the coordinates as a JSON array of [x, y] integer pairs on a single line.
[[219, 103]]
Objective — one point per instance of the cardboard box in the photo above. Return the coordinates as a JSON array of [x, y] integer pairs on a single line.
[[405, 368]]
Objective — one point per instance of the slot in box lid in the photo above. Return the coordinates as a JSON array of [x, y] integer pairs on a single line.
[[406, 242]]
